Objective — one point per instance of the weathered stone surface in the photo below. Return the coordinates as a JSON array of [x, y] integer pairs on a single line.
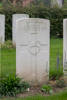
[[65, 46], [2, 28], [14, 19], [32, 50]]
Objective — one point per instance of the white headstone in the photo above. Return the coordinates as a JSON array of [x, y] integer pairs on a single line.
[[58, 3], [65, 46], [14, 19], [32, 50], [2, 28]]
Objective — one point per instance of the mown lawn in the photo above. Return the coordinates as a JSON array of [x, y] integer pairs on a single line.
[[8, 59], [59, 96], [56, 57], [65, 4]]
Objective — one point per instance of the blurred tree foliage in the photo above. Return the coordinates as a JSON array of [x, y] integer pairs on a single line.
[[55, 15]]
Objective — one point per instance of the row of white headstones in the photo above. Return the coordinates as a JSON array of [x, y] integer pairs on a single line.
[[32, 39]]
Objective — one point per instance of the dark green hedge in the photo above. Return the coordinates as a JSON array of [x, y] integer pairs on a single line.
[[55, 15]]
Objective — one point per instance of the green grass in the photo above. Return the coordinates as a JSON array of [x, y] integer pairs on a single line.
[[8, 59], [56, 51], [65, 4], [0, 4], [60, 96]]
